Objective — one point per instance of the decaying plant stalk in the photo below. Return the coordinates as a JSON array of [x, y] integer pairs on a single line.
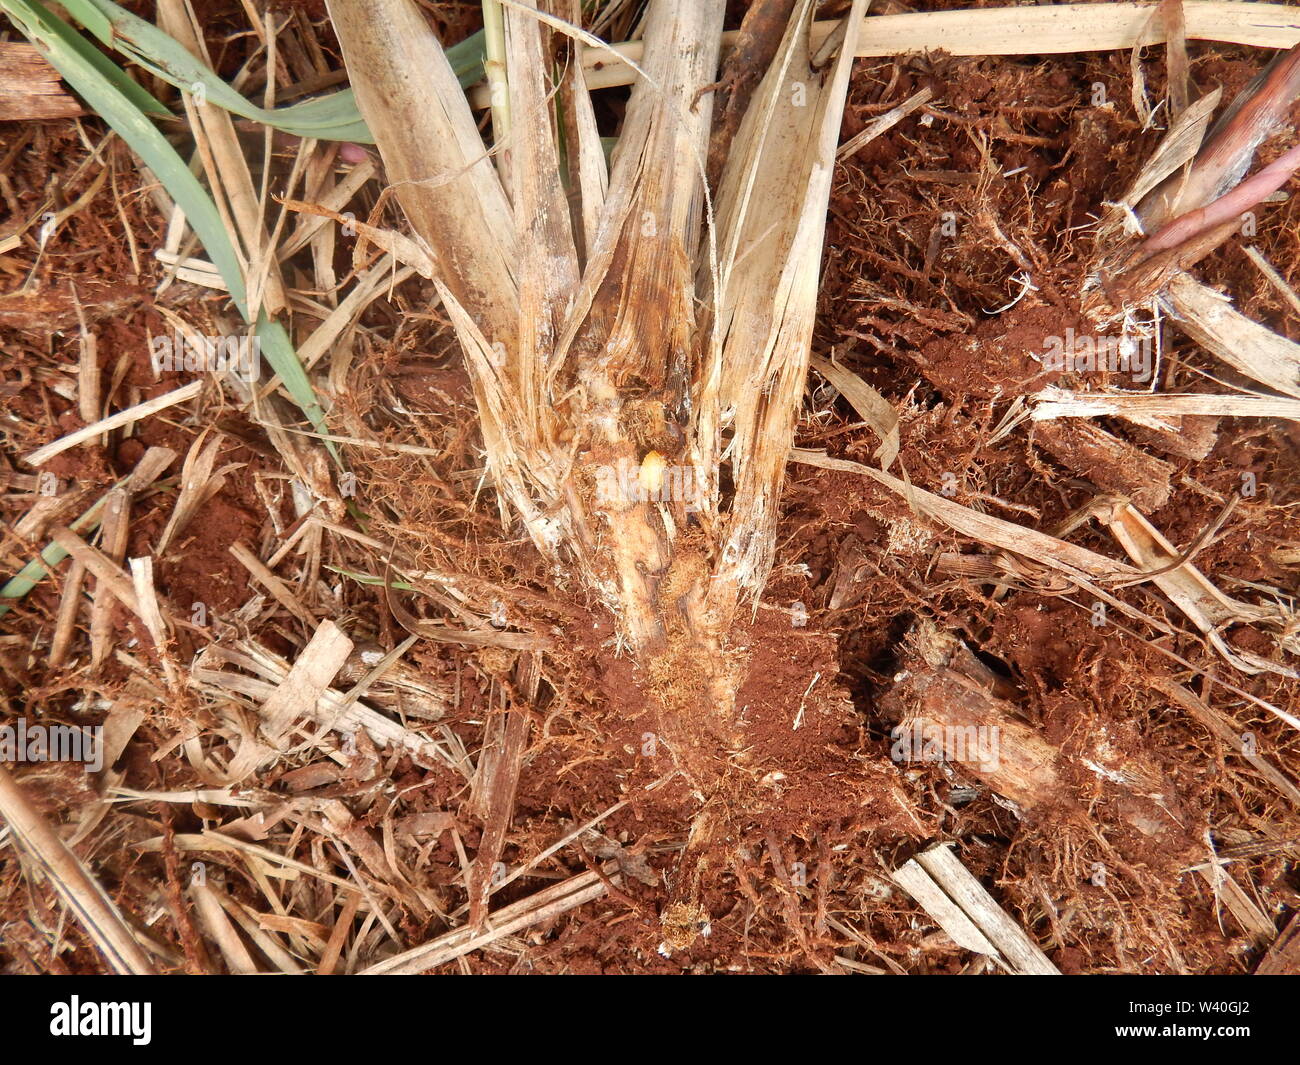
[[622, 330], [1192, 195]]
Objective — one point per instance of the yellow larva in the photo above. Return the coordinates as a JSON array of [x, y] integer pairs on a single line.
[[652, 474]]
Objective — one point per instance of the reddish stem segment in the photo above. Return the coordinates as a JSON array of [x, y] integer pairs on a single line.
[[1230, 205]]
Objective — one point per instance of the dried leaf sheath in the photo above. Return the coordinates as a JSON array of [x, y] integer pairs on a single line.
[[772, 215], [436, 161], [548, 259]]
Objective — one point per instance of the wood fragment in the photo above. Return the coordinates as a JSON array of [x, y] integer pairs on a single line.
[[1209, 609], [936, 877], [543, 906], [314, 670], [943, 689], [217, 925], [69, 607], [878, 126], [1054, 403], [147, 597], [114, 421], [90, 905], [1283, 957], [874, 409], [947, 914], [87, 368], [281, 591], [953, 708], [500, 764], [329, 958], [1227, 891], [1010, 939], [115, 532], [104, 570], [1055, 29], [1108, 461], [258, 928], [30, 89], [1226, 730], [1249, 347]]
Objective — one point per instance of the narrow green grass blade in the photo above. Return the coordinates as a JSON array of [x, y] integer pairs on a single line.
[[333, 117], [91, 18], [466, 59], [145, 140], [39, 568], [30, 576], [365, 578], [280, 353], [130, 123]]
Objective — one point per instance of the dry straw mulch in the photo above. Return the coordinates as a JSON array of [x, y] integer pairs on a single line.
[[439, 704]]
